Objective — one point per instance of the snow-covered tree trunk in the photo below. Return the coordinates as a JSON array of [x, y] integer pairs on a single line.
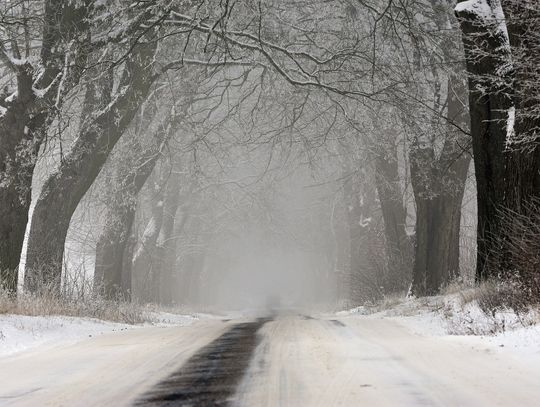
[[504, 64], [112, 242], [64, 189], [167, 241], [145, 259], [26, 114], [487, 55], [523, 130]]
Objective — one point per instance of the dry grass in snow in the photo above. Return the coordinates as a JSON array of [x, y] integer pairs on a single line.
[[460, 310]]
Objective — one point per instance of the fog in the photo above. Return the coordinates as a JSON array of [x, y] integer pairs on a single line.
[[256, 177], [272, 257], [297, 165]]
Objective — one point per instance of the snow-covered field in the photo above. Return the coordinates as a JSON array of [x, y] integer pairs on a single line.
[[20, 332]]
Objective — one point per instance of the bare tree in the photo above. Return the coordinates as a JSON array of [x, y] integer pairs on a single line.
[[501, 50], [42, 71], [63, 190]]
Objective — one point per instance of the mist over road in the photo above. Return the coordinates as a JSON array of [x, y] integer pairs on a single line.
[[287, 360]]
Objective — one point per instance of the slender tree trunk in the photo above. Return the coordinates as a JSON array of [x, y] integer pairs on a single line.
[[191, 261], [197, 266], [127, 266], [360, 197], [145, 260], [63, 191], [170, 257], [167, 240]]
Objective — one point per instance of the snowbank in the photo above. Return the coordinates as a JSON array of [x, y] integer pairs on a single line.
[[21, 332], [170, 319], [456, 318]]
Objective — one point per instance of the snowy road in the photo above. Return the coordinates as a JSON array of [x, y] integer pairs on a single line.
[[284, 361]]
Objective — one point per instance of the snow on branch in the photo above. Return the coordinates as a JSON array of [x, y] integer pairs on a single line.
[[489, 14]]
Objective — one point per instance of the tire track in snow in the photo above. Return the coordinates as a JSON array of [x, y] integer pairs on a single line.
[[211, 376]]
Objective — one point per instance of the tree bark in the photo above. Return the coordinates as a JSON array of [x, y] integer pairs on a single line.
[[168, 240], [110, 251], [137, 167], [111, 246], [192, 261], [63, 191], [438, 219], [489, 101], [398, 244], [366, 278], [25, 123], [523, 171], [439, 185], [145, 263]]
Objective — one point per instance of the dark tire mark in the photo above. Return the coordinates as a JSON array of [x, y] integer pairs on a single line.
[[210, 377], [338, 323], [306, 317]]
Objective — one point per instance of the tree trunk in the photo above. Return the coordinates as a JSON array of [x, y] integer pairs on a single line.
[[439, 185], [170, 264], [489, 101], [167, 240], [110, 251], [145, 260], [14, 207], [365, 278], [112, 242], [191, 261], [523, 172], [398, 244], [25, 122], [437, 242], [63, 190], [127, 266]]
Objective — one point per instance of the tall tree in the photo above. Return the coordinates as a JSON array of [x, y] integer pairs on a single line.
[[438, 182], [439, 156], [523, 128], [61, 193], [27, 110], [109, 272], [487, 54]]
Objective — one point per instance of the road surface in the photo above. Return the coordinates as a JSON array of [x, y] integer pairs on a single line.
[[290, 360]]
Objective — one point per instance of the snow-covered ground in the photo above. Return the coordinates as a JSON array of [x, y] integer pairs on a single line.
[[463, 321], [161, 318], [400, 355], [20, 332]]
